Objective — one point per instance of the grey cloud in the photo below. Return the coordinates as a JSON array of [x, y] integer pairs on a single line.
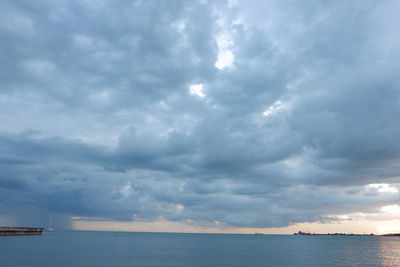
[[97, 119]]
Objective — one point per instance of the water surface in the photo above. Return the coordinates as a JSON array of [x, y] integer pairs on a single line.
[[107, 249]]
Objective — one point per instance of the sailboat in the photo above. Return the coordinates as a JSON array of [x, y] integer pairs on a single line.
[[49, 229]]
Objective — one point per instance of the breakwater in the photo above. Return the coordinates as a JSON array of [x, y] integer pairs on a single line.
[[20, 231]]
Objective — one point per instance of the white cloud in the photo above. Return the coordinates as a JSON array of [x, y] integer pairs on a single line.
[[383, 188], [274, 108], [225, 52], [126, 190], [197, 89], [391, 209], [225, 59]]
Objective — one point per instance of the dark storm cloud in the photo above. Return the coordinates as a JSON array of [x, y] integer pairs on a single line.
[[97, 118]]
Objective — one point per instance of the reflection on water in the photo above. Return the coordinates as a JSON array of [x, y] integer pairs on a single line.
[[390, 250]]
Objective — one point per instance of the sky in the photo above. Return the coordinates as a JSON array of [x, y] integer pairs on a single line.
[[200, 116]]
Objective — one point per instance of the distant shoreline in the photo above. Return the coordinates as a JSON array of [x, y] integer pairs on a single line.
[[341, 234]]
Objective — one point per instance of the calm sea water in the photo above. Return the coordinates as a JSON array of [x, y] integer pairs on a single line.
[[98, 249]]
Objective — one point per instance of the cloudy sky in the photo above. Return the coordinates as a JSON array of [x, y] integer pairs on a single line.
[[200, 115]]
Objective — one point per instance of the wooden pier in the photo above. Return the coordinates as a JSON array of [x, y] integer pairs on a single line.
[[20, 231]]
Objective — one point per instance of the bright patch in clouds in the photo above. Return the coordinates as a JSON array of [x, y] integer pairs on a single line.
[[225, 54], [383, 188], [391, 209], [197, 89], [126, 190], [277, 106], [225, 59]]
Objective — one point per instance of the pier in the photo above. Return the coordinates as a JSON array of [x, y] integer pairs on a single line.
[[20, 231]]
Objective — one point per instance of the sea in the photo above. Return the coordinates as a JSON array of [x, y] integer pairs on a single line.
[[121, 249]]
